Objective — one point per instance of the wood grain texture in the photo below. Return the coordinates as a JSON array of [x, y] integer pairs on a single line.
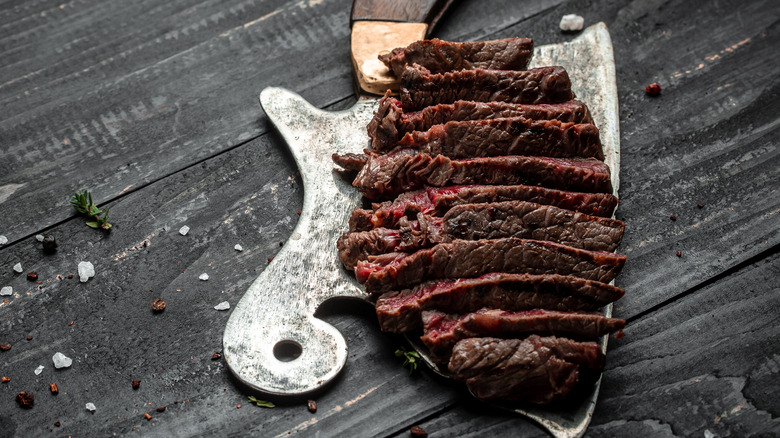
[[119, 112], [415, 11], [701, 349]]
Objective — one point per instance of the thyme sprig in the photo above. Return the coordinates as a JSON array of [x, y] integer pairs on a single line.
[[411, 359], [82, 202], [261, 403]]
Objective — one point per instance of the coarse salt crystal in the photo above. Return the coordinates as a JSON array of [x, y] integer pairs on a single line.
[[61, 361], [39, 369], [203, 276], [91, 407], [571, 22], [3, 240], [39, 237], [222, 306], [238, 247], [86, 271], [18, 268], [184, 230], [7, 290]]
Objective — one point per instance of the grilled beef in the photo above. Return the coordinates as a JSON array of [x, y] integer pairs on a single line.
[[442, 331], [519, 219], [595, 204], [511, 136], [537, 369], [357, 246], [485, 221], [400, 312], [402, 171], [390, 122], [420, 88], [468, 259], [440, 56], [436, 201], [350, 161]]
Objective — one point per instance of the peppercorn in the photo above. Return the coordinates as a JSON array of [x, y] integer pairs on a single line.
[[25, 400], [653, 89], [418, 432], [312, 405], [136, 384], [49, 244], [158, 305]]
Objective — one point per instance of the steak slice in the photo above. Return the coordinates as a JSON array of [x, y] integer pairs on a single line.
[[442, 331], [485, 221], [421, 88], [595, 204], [537, 369], [436, 201], [390, 122], [468, 259], [400, 312], [509, 136], [350, 161], [357, 246], [439, 56], [403, 171], [516, 219]]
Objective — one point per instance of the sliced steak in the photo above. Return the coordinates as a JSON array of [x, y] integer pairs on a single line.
[[510, 136], [421, 88], [399, 312], [403, 171], [350, 161], [469, 259], [595, 204], [442, 331], [440, 56], [438, 200], [485, 221], [516, 219], [537, 369], [357, 246], [390, 122]]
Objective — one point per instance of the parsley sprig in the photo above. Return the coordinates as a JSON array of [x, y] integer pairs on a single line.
[[411, 359], [82, 202], [261, 403]]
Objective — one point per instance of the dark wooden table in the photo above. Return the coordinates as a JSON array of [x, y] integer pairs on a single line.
[[152, 105]]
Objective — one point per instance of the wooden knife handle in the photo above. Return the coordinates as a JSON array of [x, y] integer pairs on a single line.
[[411, 11]]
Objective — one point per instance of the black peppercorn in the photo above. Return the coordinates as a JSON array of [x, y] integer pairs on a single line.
[[49, 244]]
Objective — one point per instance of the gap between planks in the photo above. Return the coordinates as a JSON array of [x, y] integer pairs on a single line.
[[713, 279]]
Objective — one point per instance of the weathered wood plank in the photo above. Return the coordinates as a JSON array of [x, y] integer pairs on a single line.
[[731, 171], [153, 96], [140, 113], [707, 362]]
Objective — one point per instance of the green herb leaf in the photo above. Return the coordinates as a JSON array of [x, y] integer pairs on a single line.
[[411, 359], [83, 204], [261, 403]]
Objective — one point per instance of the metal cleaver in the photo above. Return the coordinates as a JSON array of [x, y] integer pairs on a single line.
[[272, 341]]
